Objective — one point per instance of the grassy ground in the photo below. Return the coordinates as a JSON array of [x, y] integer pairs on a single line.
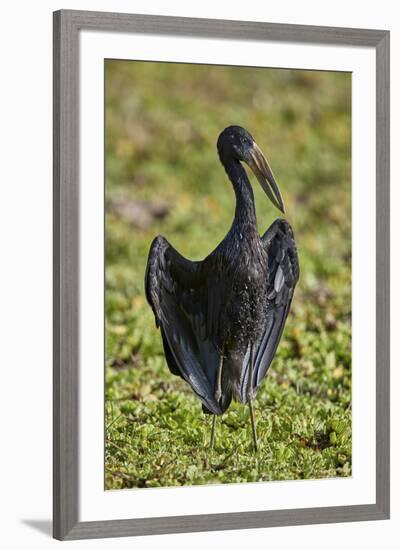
[[163, 176]]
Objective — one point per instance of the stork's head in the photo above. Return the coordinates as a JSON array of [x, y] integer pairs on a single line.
[[237, 144]]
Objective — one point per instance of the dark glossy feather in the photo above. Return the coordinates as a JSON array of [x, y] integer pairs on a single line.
[[178, 297], [189, 299], [282, 276]]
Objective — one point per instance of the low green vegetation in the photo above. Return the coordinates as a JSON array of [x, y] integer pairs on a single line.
[[163, 177]]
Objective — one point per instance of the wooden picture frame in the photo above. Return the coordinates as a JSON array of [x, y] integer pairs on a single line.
[[67, 26]]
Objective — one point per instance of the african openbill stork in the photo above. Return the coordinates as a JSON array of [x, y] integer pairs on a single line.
[[221, 319]]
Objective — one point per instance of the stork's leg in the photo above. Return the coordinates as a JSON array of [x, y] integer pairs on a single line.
[[218, 394], [212, 440], [250, 398], [218, 391]]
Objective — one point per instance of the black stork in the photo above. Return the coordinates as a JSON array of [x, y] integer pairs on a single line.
[[221, 319]]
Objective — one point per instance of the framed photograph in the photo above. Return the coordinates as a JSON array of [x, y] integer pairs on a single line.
[[221, 274]]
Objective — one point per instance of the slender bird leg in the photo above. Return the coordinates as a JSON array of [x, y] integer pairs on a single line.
[[212, 440], [218, 394], [250, 398], [218, 391]]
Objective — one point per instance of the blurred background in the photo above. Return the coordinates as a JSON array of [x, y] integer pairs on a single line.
[[163, 176]]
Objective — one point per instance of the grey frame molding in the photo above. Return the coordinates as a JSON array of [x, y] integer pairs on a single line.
[[67, 25]]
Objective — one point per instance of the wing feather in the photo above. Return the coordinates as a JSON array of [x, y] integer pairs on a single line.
[[283, 274], [179, 300]]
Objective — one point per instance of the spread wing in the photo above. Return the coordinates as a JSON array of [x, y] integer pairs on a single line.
[[178, 297], [283, 274]]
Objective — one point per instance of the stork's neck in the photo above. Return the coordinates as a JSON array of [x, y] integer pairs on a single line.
[[245, 213]]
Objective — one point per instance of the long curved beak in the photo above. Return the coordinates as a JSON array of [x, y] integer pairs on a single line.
[[259, 165]]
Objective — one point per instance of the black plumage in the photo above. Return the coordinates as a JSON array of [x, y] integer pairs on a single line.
[[221, 319]]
